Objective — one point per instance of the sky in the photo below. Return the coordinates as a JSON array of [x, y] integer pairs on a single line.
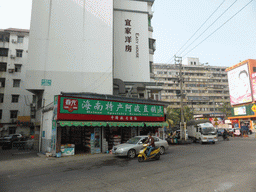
[[174, 22]]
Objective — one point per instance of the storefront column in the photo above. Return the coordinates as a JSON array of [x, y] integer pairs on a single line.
[[58, 139]]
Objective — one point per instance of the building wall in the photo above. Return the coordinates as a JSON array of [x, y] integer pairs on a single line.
[[25, 97], [71, 45], [131, 65], [205, 86]]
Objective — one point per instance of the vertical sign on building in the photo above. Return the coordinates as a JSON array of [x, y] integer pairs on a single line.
[[137, 45], [128, 35]]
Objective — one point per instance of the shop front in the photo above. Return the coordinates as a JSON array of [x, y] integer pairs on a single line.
[[243, 114], [91, 125]]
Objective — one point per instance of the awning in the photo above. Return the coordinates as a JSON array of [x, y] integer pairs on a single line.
[[82, 123], [125, 124], [156, 124]]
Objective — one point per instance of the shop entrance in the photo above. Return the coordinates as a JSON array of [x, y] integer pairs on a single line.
[[85, 139]]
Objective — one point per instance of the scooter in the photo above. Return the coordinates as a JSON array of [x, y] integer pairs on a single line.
[[155, 154], [225, 137]]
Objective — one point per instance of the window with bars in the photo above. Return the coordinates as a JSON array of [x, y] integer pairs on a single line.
[[13, 114], [19, 53], [20, 39], [17, 67], [16, 82], [15, 98]]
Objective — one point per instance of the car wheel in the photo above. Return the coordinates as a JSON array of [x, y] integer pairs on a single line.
[[162, 150], [131, 153]]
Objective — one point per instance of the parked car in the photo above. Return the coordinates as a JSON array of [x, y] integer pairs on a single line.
[[132, 147]]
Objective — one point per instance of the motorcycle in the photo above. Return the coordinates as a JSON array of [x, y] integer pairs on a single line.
[[225, 137], [155, 154]]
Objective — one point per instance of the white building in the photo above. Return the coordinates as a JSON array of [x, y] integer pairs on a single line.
[[133, 43], [84, 46], [70, 48], [14, 99]]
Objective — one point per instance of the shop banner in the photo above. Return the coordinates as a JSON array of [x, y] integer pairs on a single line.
[[239, 85], [71, 108]]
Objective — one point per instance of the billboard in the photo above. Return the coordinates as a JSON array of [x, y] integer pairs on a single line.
[[252, 69], [239, 85]]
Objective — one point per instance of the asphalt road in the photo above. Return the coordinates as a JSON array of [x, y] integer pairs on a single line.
[[224, 166]]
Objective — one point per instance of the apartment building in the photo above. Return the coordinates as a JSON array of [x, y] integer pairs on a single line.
[[205, 87], [14, 99]]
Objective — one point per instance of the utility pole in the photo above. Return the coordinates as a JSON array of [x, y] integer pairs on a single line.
[[178, 61]]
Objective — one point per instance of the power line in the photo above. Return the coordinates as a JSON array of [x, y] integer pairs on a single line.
[[209, 26], [218, 28], [200, 26]]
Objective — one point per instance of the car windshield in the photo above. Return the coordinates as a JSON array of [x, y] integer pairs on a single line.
[[209, 130], [133, 140]]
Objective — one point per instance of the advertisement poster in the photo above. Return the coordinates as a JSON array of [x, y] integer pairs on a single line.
[[239, 85], [252, 66], [240, 110]]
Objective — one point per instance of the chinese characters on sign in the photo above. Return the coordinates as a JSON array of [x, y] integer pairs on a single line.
[[128, 37], [117, 110]]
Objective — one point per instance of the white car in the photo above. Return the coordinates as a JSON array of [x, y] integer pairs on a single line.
[[132, 147]]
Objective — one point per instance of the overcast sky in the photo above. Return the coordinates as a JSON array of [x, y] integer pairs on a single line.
[[174, 22]]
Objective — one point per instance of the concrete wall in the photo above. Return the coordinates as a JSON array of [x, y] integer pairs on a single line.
[[71, 44], [47, 128]]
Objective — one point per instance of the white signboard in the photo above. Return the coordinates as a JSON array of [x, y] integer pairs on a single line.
[[239, 85]]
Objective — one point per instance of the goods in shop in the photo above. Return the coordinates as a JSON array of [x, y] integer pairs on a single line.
[[67, 149]]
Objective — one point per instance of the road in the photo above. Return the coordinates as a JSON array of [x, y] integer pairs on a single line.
[[224, 166]]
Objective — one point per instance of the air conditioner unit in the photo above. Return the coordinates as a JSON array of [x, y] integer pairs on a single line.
[[10, 70], [14, 41], [12, 56]]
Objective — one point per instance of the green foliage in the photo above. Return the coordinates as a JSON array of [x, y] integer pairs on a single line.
[[226, 109], [173, 115]]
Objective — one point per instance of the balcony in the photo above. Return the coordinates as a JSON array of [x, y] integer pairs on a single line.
[[150, 28], [4, 44]]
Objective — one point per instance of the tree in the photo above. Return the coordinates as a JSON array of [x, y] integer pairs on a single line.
[[173, 115], [188, 114], [226, 109]]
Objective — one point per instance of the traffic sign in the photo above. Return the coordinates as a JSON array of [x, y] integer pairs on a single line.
[[254, 108]]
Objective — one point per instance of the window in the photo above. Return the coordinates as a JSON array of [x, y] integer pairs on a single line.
[[4, 52], [12, 130], [16, 82], [194, 63], [1, 98], [13, 114], [1, 111], [15, 98], [17, 67], [152, 44], [19, 53], [3, 67], [20, 39]]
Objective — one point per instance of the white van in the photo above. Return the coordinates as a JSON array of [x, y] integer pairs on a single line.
[[202, 131]]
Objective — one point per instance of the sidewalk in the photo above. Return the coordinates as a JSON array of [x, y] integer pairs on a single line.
[[38, 160]]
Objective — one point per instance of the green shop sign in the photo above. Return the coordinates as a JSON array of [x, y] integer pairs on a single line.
[[100, 107]]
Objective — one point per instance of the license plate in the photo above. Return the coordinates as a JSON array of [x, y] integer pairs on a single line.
[[210, 140]]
